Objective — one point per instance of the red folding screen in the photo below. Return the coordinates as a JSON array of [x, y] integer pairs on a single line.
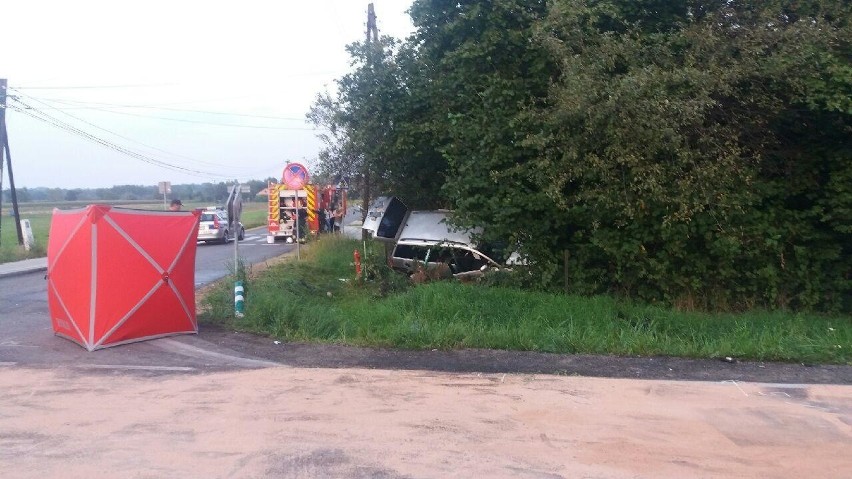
[[119, 275]]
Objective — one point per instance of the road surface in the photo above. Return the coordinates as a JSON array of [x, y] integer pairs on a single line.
[[226, 405]]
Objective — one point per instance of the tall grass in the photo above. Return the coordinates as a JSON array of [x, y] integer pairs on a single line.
[[318, 299]]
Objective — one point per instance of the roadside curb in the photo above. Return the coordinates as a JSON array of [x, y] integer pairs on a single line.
[[18, 268]]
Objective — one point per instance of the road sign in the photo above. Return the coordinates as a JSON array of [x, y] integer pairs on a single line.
[[295, 176], [165, 187], [245, 189]]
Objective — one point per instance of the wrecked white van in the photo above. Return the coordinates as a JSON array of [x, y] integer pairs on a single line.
[[425, 239]]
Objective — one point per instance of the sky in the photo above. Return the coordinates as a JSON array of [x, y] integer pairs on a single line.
[[194, 91]]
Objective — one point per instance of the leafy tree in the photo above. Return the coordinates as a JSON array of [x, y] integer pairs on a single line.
[[689, 152], [378, 126], [486, 75], [72, 195], [357, 120], [701, 153]]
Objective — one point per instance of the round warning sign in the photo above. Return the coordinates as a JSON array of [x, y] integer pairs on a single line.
[[295, 176]]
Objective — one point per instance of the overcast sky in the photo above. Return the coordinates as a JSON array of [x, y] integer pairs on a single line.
[[217, 89]]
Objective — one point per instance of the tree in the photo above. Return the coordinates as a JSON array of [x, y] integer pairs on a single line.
[[699, 153], [485, 76], [689, 152], [377, 127], [72, 195]]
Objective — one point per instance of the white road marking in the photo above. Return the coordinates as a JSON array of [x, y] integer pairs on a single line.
[[178, 347], [132, 367]]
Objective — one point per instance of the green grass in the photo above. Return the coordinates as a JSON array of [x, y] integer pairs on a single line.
[[254, 214], [307, 301], [10, 250]]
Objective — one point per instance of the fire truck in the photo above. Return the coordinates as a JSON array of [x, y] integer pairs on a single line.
[[297, 207]]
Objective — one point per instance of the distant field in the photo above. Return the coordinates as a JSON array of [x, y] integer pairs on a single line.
[[39, 214]]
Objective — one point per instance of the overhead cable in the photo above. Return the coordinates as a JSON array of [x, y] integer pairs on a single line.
[[57, 123], [154, 107], [121, 136]]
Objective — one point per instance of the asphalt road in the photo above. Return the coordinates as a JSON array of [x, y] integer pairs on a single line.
[[26, 335], [214, 261], [27, 339], [227, 405]]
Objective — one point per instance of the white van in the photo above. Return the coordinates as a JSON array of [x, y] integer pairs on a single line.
[[427, 241]]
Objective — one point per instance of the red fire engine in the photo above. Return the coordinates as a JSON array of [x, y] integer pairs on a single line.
[[296, 198]]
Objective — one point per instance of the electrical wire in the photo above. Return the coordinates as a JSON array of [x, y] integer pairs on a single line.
[[41, 115], [57, 123], [123, 137], [234, 125], [89, 87], [154, 107]]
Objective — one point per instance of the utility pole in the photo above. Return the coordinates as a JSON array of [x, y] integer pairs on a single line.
[[4, 146], [371, 24], [372, 34]]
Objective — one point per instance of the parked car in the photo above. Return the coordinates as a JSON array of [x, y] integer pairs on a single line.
[[215, 227]]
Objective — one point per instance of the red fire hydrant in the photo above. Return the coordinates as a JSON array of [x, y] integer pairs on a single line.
[[357, 257]]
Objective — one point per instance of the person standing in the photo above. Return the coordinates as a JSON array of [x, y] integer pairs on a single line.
[[329, 219], [302, 218], [338, 218], [323, 221]]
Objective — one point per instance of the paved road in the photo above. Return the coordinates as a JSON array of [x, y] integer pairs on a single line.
[[214, 261], [26, 336], [190, 408]]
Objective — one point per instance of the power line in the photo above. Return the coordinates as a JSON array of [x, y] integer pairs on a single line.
[[154, 107], [57, 123], [88, 87], [41, 116], [121, 136], [204, 122]]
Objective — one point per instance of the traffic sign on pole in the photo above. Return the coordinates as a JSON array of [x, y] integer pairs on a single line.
[[295, 176]]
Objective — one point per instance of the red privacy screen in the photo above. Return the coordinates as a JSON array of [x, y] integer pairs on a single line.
[[119, 275]]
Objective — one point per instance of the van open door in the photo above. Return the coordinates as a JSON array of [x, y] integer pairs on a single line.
[[385, 218]]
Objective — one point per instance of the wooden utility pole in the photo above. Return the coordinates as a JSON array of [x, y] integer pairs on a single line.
[[372, 43], [4, 147], [371, 24]]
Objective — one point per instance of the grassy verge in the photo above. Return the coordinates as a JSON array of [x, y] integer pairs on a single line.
[[10, 250], [317, 299]]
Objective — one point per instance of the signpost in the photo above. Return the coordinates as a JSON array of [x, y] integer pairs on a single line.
[[165, 189], [235, 210], [295, 177]]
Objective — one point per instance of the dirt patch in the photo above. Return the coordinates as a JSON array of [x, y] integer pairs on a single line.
[[360, 423]]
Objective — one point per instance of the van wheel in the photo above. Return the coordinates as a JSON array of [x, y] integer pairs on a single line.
[[226, 237]]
